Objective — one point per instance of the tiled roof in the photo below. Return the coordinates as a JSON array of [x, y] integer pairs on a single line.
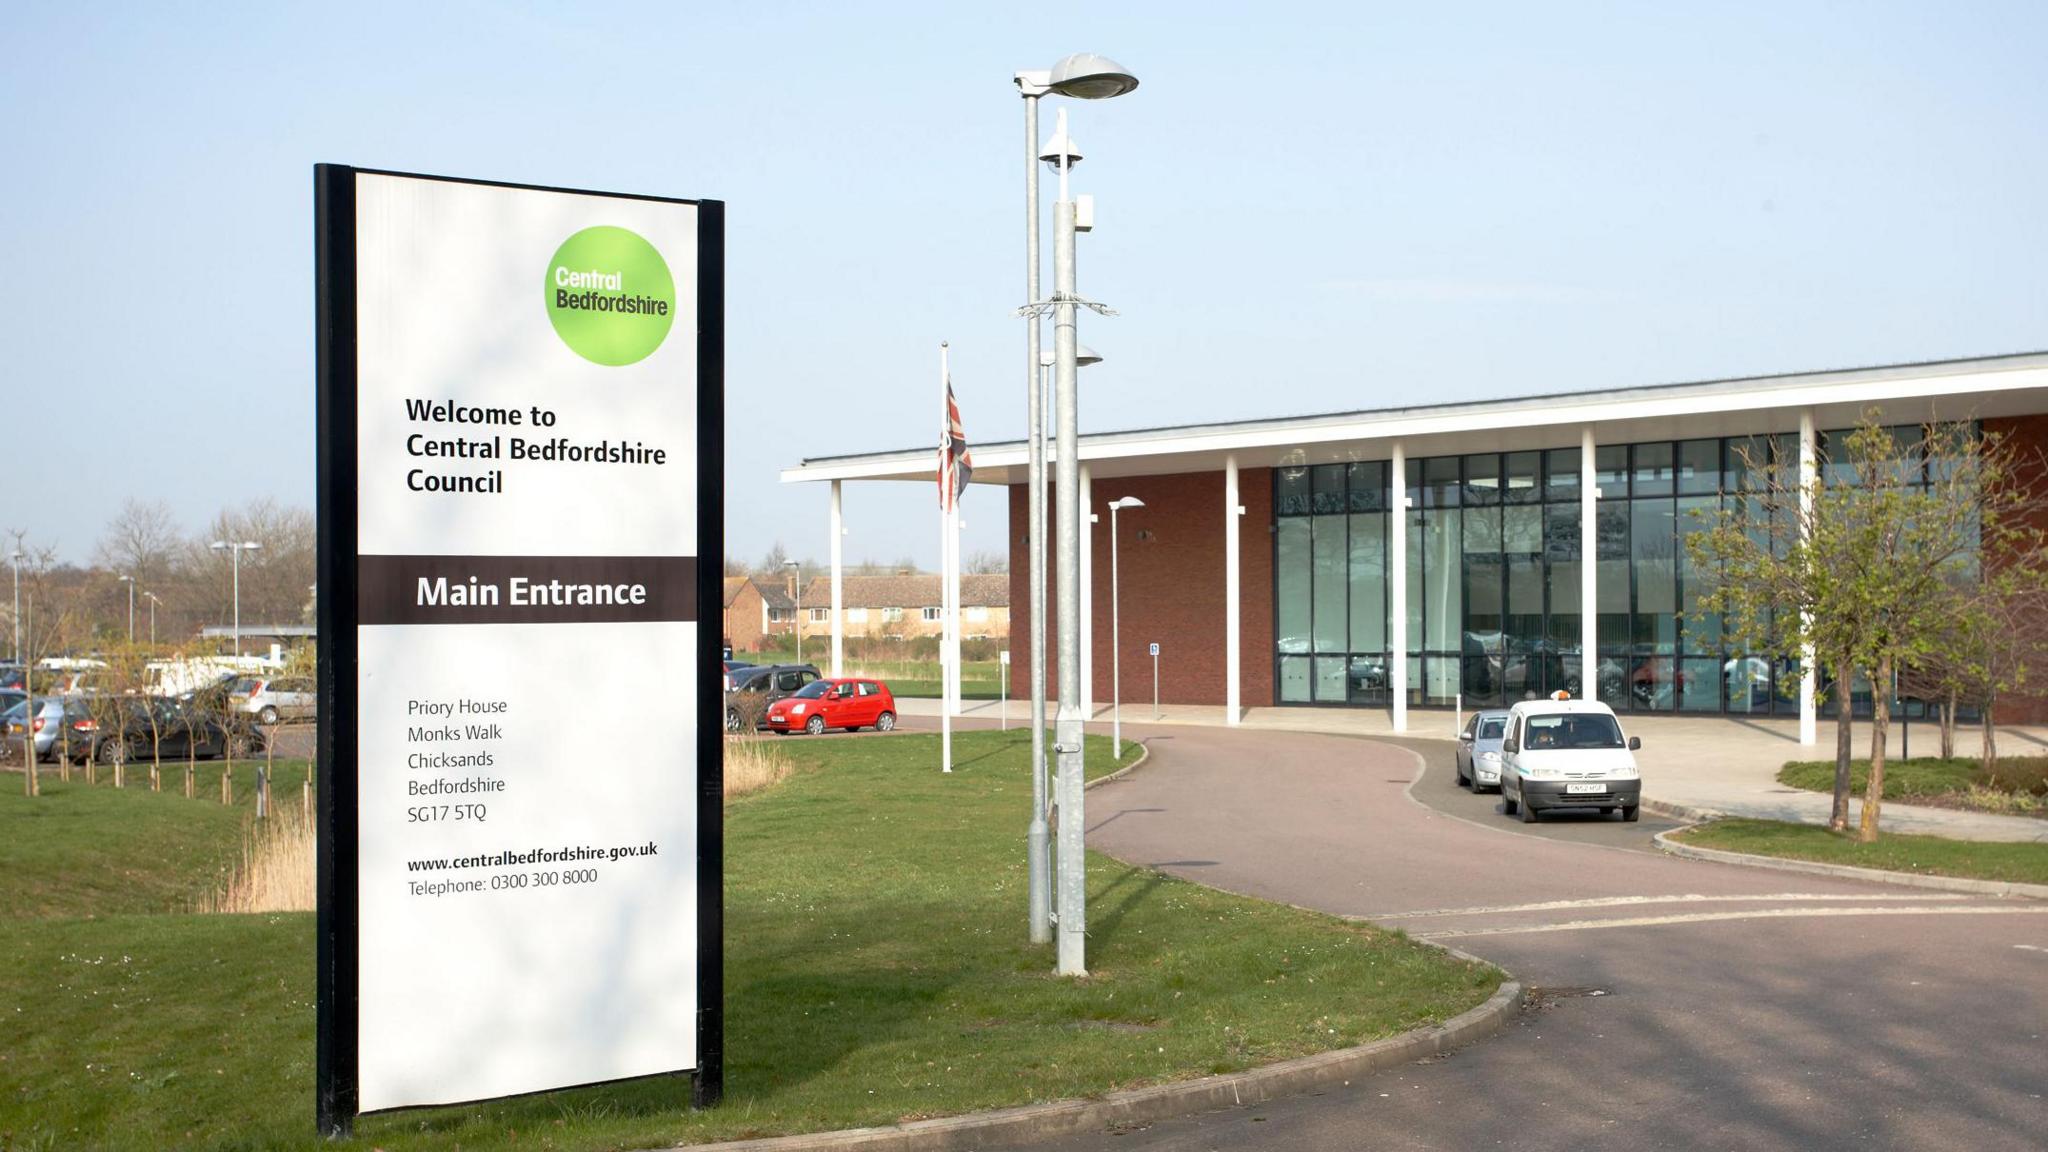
[[918, 591]]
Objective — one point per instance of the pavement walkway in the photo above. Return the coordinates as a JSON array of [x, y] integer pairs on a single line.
[[1704, 764]]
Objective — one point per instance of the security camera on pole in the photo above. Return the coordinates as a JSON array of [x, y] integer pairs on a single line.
[[1083, 76]]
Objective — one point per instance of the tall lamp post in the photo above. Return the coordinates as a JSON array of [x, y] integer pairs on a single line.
[[796, 584], [1083, 76], [130, 582], [235, 550], [153, 602], [1116, 647]]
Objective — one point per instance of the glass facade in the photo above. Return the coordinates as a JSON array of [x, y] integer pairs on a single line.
[[1495, 551]]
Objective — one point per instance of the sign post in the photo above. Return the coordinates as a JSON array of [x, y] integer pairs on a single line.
[[1155, 679], [520, 433]]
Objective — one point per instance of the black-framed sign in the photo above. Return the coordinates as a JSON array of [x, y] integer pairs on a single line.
[[520, 493]]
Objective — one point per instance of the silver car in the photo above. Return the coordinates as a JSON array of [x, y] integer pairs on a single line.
[[49, 712], [1479, 750], [271, 700]]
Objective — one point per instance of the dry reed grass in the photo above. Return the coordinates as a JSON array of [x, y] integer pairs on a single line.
[[753, 763], [277, 870]]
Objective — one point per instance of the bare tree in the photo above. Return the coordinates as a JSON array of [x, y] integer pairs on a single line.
[[986, 563], [143, 541]]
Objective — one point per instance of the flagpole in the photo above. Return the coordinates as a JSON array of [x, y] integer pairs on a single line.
[[945, 544]]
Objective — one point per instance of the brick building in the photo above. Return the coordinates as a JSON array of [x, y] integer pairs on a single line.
[[907, 605], [755, 610], [1443, 554]]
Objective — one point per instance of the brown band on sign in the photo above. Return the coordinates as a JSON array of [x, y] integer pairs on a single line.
[[526, 589]]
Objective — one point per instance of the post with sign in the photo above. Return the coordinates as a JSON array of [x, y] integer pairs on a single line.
[[520, 434], [1155, 679]]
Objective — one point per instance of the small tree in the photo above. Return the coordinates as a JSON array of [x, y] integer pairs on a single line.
[[1858, 572]]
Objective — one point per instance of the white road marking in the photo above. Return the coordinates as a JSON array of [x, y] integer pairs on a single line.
[[1618, 901], [2030, 947], [1703, 917]]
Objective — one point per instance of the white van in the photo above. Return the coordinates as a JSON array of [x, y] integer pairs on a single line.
[[1567, 754]]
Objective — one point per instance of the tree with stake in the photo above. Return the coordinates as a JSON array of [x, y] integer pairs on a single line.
[[1857, 569]]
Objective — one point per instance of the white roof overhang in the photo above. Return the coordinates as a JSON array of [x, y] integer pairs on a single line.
[[1947, 390]]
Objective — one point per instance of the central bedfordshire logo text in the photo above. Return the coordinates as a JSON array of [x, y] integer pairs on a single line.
[[610, 296]]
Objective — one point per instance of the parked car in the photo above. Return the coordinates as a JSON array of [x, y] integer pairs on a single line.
[[118, 729], [33, 721], [1479, 749], [271, 700], [1567, 754], [846, 703], [731, 667], [755, 689]]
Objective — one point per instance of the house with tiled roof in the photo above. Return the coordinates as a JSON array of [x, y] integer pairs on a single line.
[[754, 610], [907, 605]]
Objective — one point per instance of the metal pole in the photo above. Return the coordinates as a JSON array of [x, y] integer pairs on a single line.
[[1116, 653], [945, 555], [1155, 681], [798, 583], [130, 580], [838, 597], [1037, 849], [1073, 881], [235, 550], [152, 620]]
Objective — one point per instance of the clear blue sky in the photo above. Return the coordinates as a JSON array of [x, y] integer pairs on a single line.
[[1303, 208]]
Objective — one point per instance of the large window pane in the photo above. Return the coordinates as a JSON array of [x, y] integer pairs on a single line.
[[1291, 584], [1701, 629], [1369, 679], [1482, 479], [1652, 475], [1415, 591], [1443, 600], [1291, 490], [1610, 470], [1654, 543], [1652, 682], [1561, 561], [1439, 482], [1561, 474], [1612, 574], [1746, 682], [1367, 482], [1699, 468], [1440, 680], [1522, 483], [1699, 685], [1369, 582], [1294, 680], [1330, 679], [1328, 496], [1332, 589]]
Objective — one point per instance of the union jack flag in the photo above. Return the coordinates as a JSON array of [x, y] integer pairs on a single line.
[[956, 463]]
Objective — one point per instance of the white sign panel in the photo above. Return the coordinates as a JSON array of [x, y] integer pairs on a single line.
[[527, 497]]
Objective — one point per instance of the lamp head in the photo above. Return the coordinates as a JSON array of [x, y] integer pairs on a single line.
[[1087, 76], [1083, 357], [1127, 502]]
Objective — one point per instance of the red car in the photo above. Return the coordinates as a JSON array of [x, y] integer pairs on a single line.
[[848, 704]]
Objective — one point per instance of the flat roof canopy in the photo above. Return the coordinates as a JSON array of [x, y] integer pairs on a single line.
[[1997, 386]]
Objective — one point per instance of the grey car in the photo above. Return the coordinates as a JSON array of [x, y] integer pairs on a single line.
[[49, 710], [1479, 749], [754, 689]]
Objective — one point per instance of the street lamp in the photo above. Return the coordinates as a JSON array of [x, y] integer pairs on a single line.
[[153, 602], [130, 582], [1082, 76], [235, 550], [1116, 648], [796, 582]]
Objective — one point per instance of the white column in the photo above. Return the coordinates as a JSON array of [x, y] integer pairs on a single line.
[[1397, 586], [1233, 656], [1087, 491], [838, 605], [1809, 475], [1589, 578]]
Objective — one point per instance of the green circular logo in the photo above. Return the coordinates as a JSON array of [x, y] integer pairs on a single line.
[[610, 296]]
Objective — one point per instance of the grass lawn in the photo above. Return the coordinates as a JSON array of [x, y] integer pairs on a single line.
[[877, 970], [979, 679], [2017, 784], [1894, 852]]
